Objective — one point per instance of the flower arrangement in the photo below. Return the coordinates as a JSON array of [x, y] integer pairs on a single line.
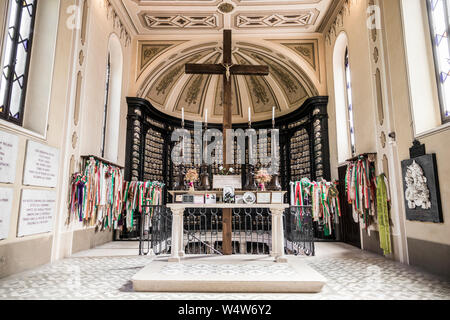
[[263, 177], [191, 177], [225, 172]]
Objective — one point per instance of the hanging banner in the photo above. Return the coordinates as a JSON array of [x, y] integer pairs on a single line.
[[41, 165], [36, 212], [6, 197], [8, 157]]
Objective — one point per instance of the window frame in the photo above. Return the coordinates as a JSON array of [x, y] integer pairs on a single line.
[[105, 110], [443, 107], [5, 114], [349, 103]]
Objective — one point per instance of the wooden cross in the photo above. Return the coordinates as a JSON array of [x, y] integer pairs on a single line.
[[227, 69]]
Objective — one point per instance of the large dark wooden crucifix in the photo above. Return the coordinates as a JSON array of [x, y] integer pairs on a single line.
[[227, 69]]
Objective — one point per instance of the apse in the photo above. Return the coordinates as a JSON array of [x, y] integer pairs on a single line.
[[163, 82]]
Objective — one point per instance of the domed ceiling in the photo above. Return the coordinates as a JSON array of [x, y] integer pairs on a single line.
[[169, 89]]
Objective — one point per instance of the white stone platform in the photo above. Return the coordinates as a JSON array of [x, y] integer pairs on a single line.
[[229, 274]]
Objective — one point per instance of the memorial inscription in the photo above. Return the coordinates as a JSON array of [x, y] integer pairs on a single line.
[[41, 165], [36, 212]]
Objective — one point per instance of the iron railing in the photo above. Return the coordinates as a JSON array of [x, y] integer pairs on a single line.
[[299, 231], [252, 231], [155, 230]]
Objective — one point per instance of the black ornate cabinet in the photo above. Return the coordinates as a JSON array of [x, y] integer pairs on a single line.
[[304, 145]]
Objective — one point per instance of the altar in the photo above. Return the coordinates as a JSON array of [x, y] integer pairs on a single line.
[[277, 210]]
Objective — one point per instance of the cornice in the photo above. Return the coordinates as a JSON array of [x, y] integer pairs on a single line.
[[113, 12], [330, 16]]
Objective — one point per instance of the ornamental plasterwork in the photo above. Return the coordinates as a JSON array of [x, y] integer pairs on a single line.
[[240, 15], [151, 20], [417, 193], [297, 19], [331, 33], [306, 50], [117, 23], [150, 50]]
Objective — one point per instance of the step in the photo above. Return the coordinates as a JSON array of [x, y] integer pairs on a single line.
[[229, 274]]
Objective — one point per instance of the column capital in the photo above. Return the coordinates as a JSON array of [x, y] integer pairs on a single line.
[[177, 211], [277, 211]]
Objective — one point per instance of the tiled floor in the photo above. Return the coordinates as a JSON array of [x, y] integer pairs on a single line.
[[105, 273]]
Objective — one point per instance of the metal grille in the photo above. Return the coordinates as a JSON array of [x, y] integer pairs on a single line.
[[203, 231], [17, 54], [299, 231], [252, 231], [155, 230]]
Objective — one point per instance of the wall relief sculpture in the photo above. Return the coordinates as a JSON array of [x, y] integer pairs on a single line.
[[421, 186], [417, 193]]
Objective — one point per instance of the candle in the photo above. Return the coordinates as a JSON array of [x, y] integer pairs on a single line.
[[273, 114], [206, 116], [249, 115], [182, 115]]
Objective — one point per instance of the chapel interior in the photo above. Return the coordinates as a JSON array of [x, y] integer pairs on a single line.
[[114, 145]]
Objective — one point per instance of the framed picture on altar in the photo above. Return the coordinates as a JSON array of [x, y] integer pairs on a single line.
[[239, 199], [199, 199], [228, 194], [263, 197], [188, 198], [210, 198], [277, 197], [178, 198]]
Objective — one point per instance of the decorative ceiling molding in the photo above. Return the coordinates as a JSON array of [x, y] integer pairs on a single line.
[[307, 49], [331, 31], [124, 34], [244, 16], [151, 20], [151, 50], [287, 19]]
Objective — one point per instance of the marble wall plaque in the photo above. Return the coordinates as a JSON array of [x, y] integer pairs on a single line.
[[41, 165], [36, 212], [6, 196], [8, 157]]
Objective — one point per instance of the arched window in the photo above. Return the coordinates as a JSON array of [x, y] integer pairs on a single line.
[[105, 109], [438, 13], [16, 59], [343, 99], [351, 122], [113, 100]]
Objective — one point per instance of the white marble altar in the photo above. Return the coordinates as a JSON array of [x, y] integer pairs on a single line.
[[178, 228]]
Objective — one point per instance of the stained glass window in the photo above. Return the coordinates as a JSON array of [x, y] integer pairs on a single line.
[[439, 23], [351, 123], [16, 58]]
